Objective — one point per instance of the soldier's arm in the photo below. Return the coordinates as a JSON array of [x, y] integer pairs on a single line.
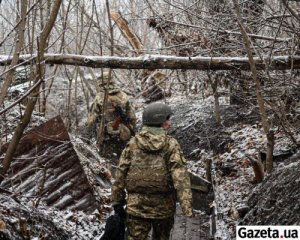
[[180, 177], [131, 115], [118, 194], [95, 112], [91, 117]]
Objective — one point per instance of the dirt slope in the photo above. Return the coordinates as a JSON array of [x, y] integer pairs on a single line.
[[276, 200]]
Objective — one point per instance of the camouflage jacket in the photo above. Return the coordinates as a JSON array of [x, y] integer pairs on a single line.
[[115, 98], [152, 201]]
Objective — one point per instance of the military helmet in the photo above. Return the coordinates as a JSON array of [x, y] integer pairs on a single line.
[[107, 84], [103, 79], [156, 113]]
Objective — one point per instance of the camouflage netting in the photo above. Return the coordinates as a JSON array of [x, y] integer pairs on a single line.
[[276, 200]]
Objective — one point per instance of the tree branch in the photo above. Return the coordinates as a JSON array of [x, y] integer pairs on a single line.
[[285, 3], [21, 98]]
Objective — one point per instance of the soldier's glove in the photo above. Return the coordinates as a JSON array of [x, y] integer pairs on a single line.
[[119, 209]]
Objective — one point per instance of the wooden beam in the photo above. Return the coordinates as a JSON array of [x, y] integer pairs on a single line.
[[163, 62]]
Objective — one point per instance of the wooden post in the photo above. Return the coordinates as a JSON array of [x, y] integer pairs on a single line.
[[257, 168], [213, 224], [270, 148]]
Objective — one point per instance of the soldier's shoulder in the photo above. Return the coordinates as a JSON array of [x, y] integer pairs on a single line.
[[122, 95], [132, 145], [173, 143], [118, 97], [99, 97]]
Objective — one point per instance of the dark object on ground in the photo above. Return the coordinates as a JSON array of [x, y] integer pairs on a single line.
[[114, 228], [242, 210]]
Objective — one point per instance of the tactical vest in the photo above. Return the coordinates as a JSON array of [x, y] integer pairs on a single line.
[[122, 131], [148, 172]]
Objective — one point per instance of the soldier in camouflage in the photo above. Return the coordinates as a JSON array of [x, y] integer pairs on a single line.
[[118, 118], [152, 169]]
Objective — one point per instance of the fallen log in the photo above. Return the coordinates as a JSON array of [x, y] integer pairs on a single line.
[[162, 62]]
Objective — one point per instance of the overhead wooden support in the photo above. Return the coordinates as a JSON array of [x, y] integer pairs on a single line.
[[162, 62]]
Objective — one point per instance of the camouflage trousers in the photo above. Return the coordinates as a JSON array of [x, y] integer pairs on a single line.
[[139, 228]]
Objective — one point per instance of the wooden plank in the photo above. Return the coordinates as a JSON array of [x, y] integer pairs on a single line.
[[196, 228], [184, 228], [179, 228], [193, 228]]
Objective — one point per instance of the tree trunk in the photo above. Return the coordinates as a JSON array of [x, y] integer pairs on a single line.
[[260, 100], [270, 148], [154, 62], [258, 169], [208, 164], [127, 32], [217, 108], [16, 55], [214, 86], [149, 78], [295, 15], [101, 131]]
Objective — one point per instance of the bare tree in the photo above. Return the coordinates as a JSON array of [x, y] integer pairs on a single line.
[[42, 43], [260, 99], [19, 44]]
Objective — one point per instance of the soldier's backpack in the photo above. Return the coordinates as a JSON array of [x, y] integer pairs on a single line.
[[148, 172]]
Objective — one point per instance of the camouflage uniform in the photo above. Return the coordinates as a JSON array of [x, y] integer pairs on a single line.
[[124, 131], [152, 169]]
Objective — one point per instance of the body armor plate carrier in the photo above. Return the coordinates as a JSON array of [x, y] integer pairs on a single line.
[[148, 172]]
